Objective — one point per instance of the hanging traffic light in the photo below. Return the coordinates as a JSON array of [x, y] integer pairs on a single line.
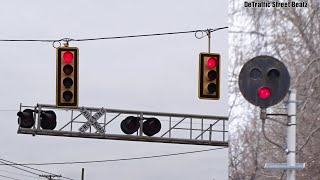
[[131, 124], [67, 77], [209, 76], [26, 118], [264, 81], [48, 120]]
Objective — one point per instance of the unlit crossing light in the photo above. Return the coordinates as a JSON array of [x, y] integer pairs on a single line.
[[131, 124]]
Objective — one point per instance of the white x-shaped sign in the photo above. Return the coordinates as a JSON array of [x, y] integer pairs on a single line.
[[92, 120]]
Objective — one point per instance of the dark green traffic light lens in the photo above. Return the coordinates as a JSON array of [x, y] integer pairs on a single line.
[[212, 75], [67, 96], [212, 88]]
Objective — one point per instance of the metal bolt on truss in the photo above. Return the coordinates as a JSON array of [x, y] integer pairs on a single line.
[[175, 128]]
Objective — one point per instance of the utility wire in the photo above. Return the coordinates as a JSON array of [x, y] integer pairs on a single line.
[[19, 174], [9, 177], [122, 159], [13, 164], [117, 37]]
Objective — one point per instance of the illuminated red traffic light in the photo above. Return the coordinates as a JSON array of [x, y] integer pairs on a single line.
[[209, 76], [264, 93], [212, 62], [68, 57], [67, 77]]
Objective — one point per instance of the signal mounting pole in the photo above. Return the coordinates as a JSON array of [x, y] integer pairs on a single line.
[[291, 134]]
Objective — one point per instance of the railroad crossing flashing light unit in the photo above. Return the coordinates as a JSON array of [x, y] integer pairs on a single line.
[[26, 118], [67, 77], [209, 76], [48, 119], [264, 81], [131, 124]]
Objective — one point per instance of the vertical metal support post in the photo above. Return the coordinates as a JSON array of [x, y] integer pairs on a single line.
[[39, 113], [190, 128], [170, 127], [210, 133], [141, 125], [71, 120], [201, 129], [291, 134], [223, 129], [104, 122]]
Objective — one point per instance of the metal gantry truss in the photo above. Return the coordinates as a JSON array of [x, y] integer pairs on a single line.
[[175, 128]]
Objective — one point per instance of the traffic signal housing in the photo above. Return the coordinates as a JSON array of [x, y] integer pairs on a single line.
[[67, 77], [209, 76], [264, 81]]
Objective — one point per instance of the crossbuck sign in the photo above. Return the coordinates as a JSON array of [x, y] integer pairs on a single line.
[[92, 120]]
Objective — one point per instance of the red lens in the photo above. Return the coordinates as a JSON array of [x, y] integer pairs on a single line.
[[68, 57], [264, 93], [212, 63]]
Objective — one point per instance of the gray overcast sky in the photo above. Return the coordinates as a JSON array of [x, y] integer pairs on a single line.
[[153, 74]]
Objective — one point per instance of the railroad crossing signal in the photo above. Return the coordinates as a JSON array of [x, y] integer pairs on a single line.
[[209, 76], [264, 81], [48, 119], [92, 120], [131, 124], [26, 119], [67, 77]]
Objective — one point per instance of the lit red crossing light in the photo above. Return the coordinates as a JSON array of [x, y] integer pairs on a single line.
[[264, 93], [67, 77], [209, 76]]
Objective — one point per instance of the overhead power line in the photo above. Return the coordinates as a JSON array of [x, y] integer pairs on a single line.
[[121, 159], [202, 31], [9, 177], [19, 174], [13, 164]]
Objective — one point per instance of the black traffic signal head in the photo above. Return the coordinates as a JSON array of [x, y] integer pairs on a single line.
[[264, 81], [27, 118], [48, 120], [67, 77], [209, 76]]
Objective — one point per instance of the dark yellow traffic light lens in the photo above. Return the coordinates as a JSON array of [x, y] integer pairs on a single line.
[[68, 69], [212, 75], [67, 96]]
